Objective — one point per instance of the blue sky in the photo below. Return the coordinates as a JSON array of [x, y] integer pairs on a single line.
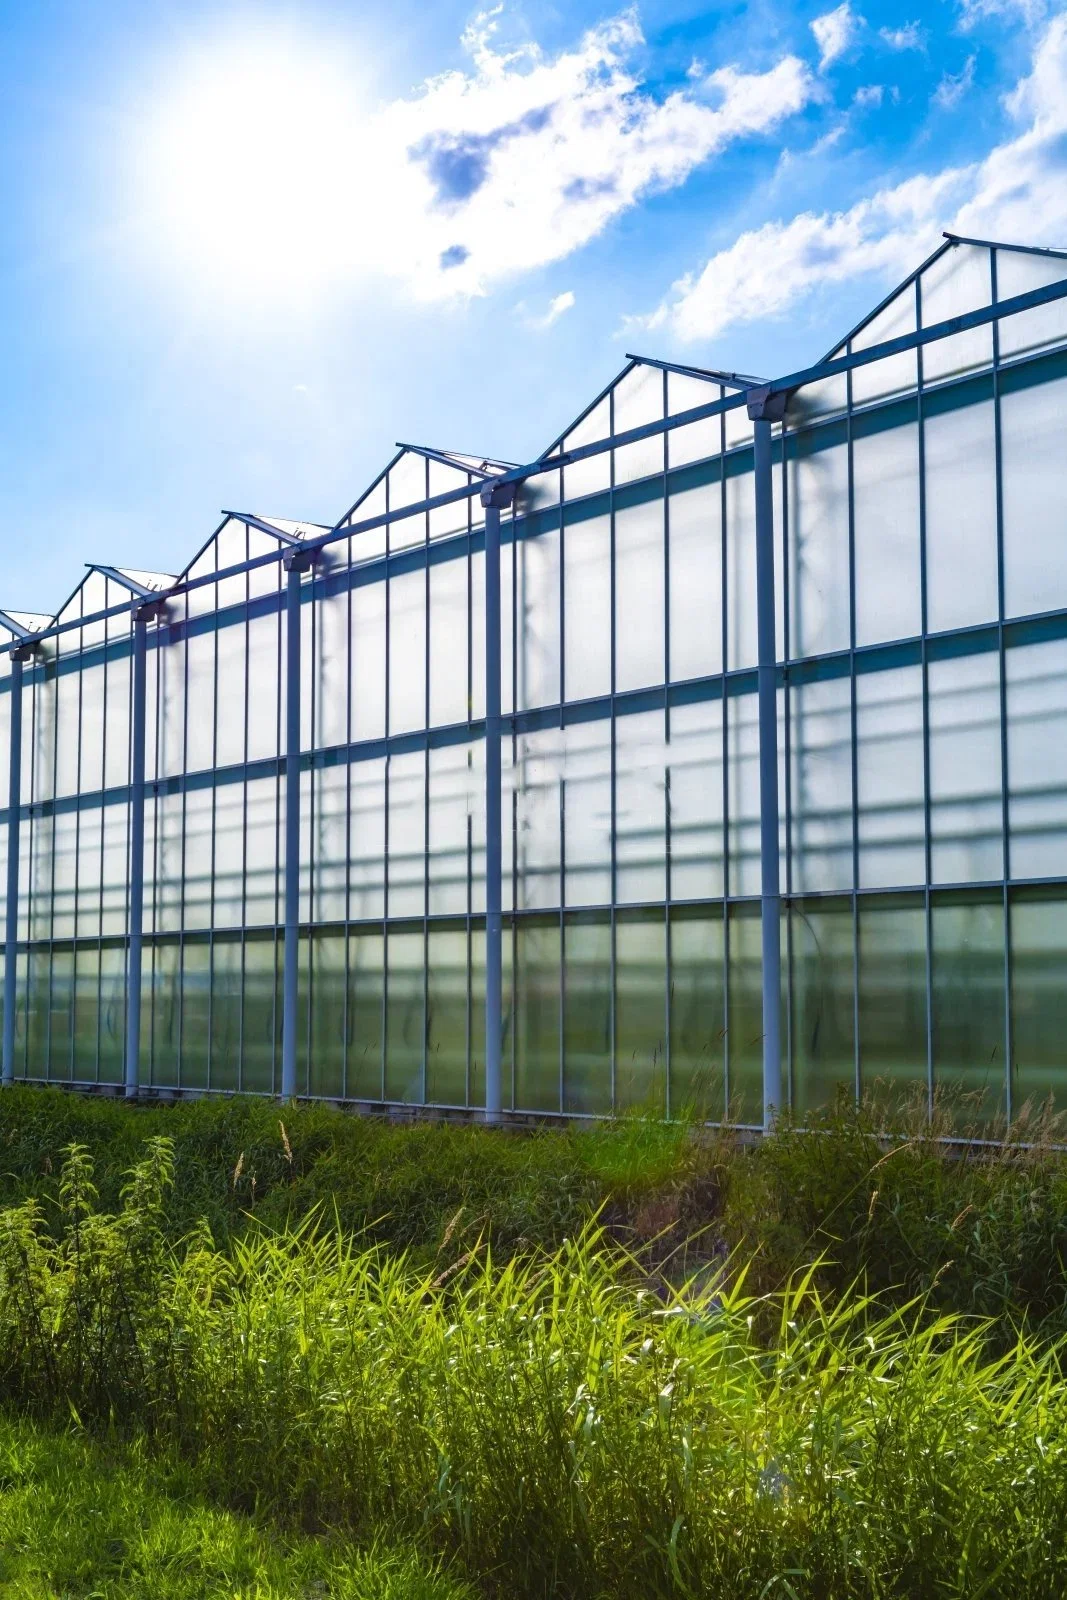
[[247, 247]]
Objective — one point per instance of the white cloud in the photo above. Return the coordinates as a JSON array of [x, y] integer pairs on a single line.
[[1031, 12], [559, 304], [952, 88], [909, 37], [834, 32], [1018, 192], [871, 94]]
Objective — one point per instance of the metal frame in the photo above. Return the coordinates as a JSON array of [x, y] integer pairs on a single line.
[[498, 485]]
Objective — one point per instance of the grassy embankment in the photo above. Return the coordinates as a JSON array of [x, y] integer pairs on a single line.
[[827, 1366]]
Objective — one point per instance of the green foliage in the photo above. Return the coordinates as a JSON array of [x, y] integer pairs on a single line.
[[547, 1424], [109, 1522]]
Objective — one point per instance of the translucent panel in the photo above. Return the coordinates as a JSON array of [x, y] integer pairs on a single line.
[[37, 1015], [233, 698], [967, 993], [885, 486], [965, 796], [740, 569], [821, 795], [451, 801], [1038, 965], [587, 813], [200, 692], [1037, 759], [40, 714], [892, 995], [225, 1014], [1019, 273], [827, 398], [537, 1016], [889, 754], [64, 872], [896, 373], [261, 1014], [961, 516], [743, 789], [693, 441], [507, 627], [476, 1069], [405, 1016], [453, 518], [641, 1013], [408, 477], [198, 864], [697, 1015], [639, 584], [593, 474], [60, 1015], [332, 674], [745, 1030], [819, 615], [958, 282], [446, 1017], [822, 1024], [537, 602], [695, 780], [366, 989], [330, 844], [228, 844], [168, 865], [371, 544], [171, 704], [85, 1057], [640, 808], [91, 729], [476, 819], [587, 1022], [90, 844], [638, 398], [328, 1015], [538, 804], [195, 1013], [114, 870], [449, 693], [587, 608], [407, 651], [407, 834], [163, 1018], [737, 424], [696, 624], [368, 661], [1033, 440], [262, 850]]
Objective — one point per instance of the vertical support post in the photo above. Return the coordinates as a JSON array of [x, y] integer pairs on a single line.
[[764, 408], [11, 921], [295, 565], [493, 496], [135, 925]]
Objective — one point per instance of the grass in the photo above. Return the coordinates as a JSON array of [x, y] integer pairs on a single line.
[[547, 1425], [81, 1520]]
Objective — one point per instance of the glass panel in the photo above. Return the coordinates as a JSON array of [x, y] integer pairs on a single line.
[[637, 399], [117, 736], [329, 846], [892, 995], [405, 1017], [165, 1014], [640, 808], [1019, 273], [450, 519], [446, 1018], [745, 1032], [328, 1020], [740, 566], [1033, 437], [537, 603], [366, 846], [889, 735], [641, 1013], [265, 663], [407, 834], [821, 797], [696, 796], [967, 992], [895, 373], [961, 515], [965, 798], [451, 800], [225, 1014], [233, 697], [1037, 759], [821, 989], [695, 522], [368, 661], [198, 865], [332, 674], [639, 581], [407, 651], [587, 813], [587, 608], [91, 732], [366, 972], [38, 1007], [693, 441], [1038, 980], [449, 698], [61, 1015], [885, 483], [200, 701], [818, 544], [697, 1015], [535, 778], [593, 474], [587, 1015], [743, 789], [262, 847], [196, 1014], [228, 847], [476, 1095], [827, 398], [957, 282], [537, 1016]]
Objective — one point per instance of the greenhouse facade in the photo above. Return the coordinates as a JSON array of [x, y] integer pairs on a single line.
[[714, 760]]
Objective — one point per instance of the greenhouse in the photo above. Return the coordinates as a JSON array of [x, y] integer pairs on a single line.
[[712, 760]]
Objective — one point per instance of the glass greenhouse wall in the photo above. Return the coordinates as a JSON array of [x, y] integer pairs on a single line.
[[918, 723]]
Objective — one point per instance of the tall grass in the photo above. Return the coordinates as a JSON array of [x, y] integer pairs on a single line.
[[553, 1427]]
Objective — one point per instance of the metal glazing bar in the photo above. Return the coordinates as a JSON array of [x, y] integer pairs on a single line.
[[11, 920], [493, 497], [295, 565], [135, 925], [764, 408]]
